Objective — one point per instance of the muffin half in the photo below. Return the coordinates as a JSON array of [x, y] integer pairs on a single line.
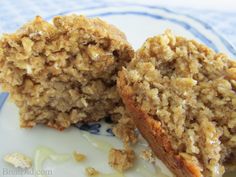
[[182, 97], [64, 72]]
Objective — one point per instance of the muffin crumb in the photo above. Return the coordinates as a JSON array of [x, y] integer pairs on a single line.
[[121, 160], [125, 128], [18, 160], [79, 157], [148, 155], [91, 172]]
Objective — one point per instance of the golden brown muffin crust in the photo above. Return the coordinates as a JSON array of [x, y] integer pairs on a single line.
[[155, 135]]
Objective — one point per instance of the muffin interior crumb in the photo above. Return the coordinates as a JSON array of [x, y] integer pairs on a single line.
[[64, 72], [125, 128]]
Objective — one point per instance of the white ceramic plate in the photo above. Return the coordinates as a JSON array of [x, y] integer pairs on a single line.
[[138, 22]]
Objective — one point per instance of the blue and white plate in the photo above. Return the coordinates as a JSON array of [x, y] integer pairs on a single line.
[[138, 22]]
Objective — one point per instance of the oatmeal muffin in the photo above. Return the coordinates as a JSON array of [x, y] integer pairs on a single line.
[[64, 72], [182, 96]]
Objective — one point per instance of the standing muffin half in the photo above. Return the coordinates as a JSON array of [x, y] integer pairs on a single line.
[[64, 72], [182, 97]]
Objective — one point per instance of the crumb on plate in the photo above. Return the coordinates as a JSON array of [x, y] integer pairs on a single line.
[[79, 157], [148, 155], [18, 160], [121, 160], [91, 172]]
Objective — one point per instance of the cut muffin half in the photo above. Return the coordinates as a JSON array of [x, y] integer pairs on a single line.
[[182, 97], [64, 72]]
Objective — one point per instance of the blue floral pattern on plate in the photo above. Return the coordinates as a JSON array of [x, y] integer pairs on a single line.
[[99, 128]]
